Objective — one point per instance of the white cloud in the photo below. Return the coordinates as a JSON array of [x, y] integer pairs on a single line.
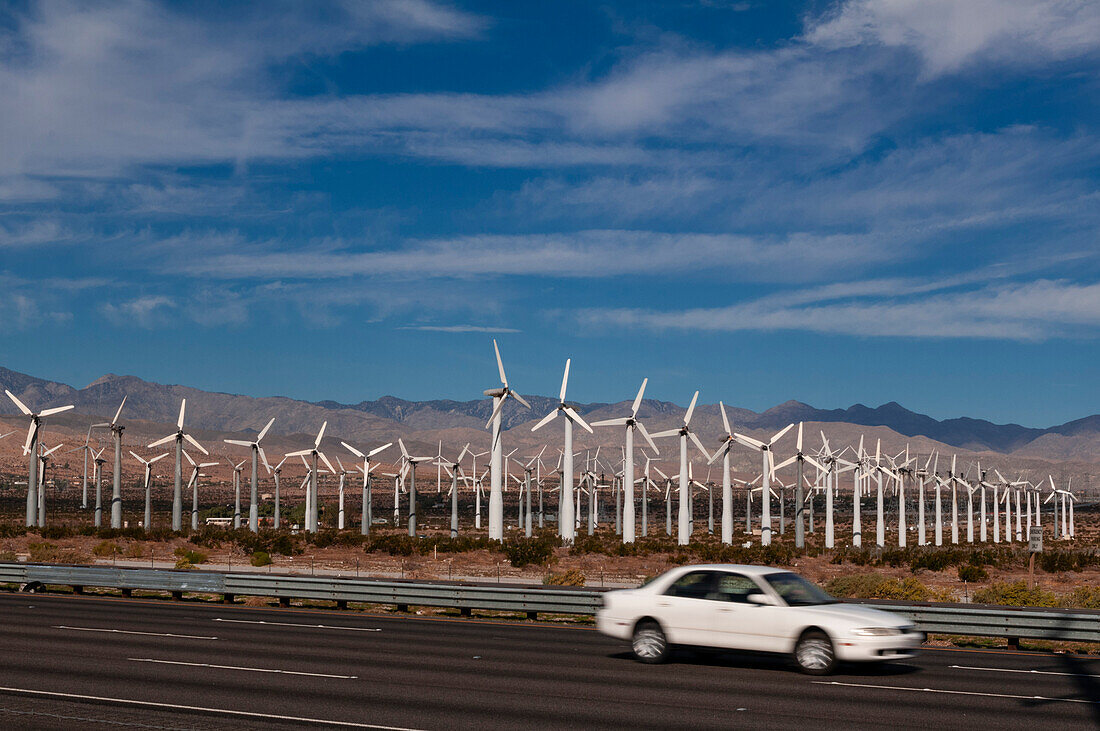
[[146, 311], [460, 328], [950, 34], [1035, 310]]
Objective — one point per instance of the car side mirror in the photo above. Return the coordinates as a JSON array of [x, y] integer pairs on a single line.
[[762, 600]]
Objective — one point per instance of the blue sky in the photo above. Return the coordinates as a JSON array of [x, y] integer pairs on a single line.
[[836, 202]]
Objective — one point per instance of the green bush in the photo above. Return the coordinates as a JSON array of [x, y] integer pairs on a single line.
[[568, 578], [526, 551], [973, 574], [877, 586], [106, 548], [260, 558], [1084, 597], [192, 557], [184, 565], [1015, 594]]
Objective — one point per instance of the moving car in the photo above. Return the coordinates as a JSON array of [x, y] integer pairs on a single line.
[[752, 608]]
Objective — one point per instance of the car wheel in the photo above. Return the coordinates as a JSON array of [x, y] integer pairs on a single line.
[[650, 645], [814, 653]]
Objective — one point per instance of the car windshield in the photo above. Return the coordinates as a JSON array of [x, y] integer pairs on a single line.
[[796, 591]]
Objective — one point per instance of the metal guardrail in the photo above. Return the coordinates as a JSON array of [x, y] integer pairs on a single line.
[[1079, 625]]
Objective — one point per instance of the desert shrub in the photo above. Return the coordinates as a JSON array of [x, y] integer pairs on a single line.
[[8, 556], [184, 565], [1015, 594], [525, 551], [56, 532], [260, 558], [106, 548], [1056, 561], [135, 550], [43, 552], [192, 557], [1085, 597], [395, 545], [567, 578], [877, 586], [12, 531], [972, 574], [328, 538]]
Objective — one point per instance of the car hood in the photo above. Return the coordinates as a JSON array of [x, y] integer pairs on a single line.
[[860, 615]]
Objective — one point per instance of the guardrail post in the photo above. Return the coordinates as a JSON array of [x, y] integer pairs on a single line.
[[465, 612], [78, 589], [532, 615], [177, 595], [227, 598], [284, 601], [1014, 643], [402, 607], [341, 603], [127, 592]]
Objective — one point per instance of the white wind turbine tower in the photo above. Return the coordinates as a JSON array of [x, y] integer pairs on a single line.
[[367, 517], [98, 461], [237, 468], [801, 458], [723, 451], [343, 473], [148, 486], [411, 462], [685, 432], [31, 449], [454, 471], [567, 526], [768, 463], [44, 460], [87, 449], [116, 478], [193, 483], [631, 423], [178, 436], [831, 460], [276, 471], [257, 454], [880, 518], [311, 494], [922, 476], [496, 458]]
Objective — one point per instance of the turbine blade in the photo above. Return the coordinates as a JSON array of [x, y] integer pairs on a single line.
[[725, 420], [798, 443], [139, 459], [237, 442], [691, 409], [57, 410], [545, 420], [384, 447], [320, 435], [263, 432], [198, 446], [496, 410], [500, 364], [645, 434], [749, 441], [623, 421], [519, 398], [18, 403], [119, 412], [638, 398], [564, 381], [699, 445], [572, 414], [159, 442], [179, 421], [779, 434], [353, 450], [327, 463]]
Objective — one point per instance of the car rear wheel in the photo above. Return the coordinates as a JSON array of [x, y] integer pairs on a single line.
[[814, 653], [650, 644]]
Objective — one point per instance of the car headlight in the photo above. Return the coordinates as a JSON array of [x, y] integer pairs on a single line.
[[877, 631]]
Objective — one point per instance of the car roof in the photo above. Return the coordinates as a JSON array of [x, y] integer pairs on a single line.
[[739, 568]]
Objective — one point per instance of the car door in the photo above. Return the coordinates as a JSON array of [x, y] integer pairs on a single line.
[[731, 613], [772, 627], [684, 609]]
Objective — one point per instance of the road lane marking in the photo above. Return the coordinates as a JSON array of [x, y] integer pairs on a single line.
[[293, 624], [1028, 672], [133, 632], [237, 667], [204, 709], [956, 692]]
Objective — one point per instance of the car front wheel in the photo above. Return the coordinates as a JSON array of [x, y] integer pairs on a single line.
[[650, 644], [814, 653]]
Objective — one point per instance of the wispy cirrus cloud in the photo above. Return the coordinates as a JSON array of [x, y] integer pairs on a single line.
[[460, 328], [1036, 310]]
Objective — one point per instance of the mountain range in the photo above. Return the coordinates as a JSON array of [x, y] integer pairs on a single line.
[[387, 417]]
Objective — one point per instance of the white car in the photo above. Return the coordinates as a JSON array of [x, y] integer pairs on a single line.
[[752, 608]]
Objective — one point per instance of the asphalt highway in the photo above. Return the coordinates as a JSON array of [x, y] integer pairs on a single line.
[[87, 662]]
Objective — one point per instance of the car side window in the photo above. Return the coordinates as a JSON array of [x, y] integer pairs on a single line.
[[734, 588], [693, 585]]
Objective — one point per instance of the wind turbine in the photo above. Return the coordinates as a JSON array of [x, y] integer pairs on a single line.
[[116, 478], [193, 483], [454, 470], [496, 458], [97, 518], [31, 449], [685, 432], [257, 454], [723, 451], [276, 471], [922, 475], [44, 459], [631, 423], [801, 459], [179, 436], [311, 494], [367, 514], [148, 485], [567, 527], [411, 462], [768, 462], [237, 493], [832, 460]]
